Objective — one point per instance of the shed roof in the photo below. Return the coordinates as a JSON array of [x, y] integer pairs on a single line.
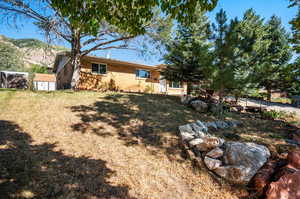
[[39, 77]]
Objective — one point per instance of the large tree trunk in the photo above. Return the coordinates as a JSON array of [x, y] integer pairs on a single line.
[[75, 61]]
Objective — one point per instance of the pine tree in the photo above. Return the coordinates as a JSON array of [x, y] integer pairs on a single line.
[[274, 60], [188, 53]]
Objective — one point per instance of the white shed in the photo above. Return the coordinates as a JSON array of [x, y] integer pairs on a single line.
[[44, 82]]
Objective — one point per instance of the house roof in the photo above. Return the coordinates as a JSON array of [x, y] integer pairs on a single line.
[[39, 77], [107, 61]]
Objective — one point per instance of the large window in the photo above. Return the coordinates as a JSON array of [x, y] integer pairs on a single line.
[[175, 84], [99, 68], [142, 73]]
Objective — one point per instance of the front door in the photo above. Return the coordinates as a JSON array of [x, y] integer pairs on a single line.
[[162, 85]]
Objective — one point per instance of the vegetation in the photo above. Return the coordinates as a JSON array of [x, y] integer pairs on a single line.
[[128, 141], [92, 25], [234, 57], [10, 57]]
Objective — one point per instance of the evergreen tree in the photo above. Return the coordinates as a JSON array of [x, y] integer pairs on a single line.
[[188, 53], [295, 22], [274, 60]]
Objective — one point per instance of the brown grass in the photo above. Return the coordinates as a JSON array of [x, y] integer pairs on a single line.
[[112, 145]]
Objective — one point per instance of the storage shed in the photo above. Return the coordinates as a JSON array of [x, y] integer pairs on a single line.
[[44, 82], [12, 79]]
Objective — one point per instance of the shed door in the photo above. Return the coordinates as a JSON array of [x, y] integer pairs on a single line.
[[51, 86]]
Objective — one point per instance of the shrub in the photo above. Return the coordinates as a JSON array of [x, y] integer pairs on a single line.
[[272, 114]]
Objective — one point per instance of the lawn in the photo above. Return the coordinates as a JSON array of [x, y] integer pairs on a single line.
[[109, 145]]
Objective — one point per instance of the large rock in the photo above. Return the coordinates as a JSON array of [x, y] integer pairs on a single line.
[[242, 161], [215, 153], [195, 142], [202, 125], [199, 106], [287, 187], [212, 163], [211, 124], [221, 124], [199, 130], [186, 99], [209, 143], [186, 132]]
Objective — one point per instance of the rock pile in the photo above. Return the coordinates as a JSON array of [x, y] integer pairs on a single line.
[[279, 178], [235, 161]]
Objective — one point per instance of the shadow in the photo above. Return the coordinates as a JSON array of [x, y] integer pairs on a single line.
[[28, 170], [272, 133], [137, 119]]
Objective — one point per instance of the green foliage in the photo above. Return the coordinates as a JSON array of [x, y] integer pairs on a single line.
[[272, 114], [126, 16], [188, 53], [10, 57], [295, 22], [35, 68], [272, 68]]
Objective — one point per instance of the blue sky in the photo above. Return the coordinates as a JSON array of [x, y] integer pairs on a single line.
[[233, 8]]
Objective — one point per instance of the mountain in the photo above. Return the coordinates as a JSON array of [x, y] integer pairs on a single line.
[[26, 54]]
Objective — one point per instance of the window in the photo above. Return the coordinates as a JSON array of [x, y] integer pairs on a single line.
[[142, 73], [99, 68], [174, 84]]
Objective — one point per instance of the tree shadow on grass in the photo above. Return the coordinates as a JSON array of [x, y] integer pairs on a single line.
[[40, 171], [138, 119]]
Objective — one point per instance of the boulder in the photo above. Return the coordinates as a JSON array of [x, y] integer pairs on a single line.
[[242, 161], [221, 124], [202, 125], [237, 174], [293, 159], [215, 153], [195, 142], [199, 106], [287, 187], [211, 124], [199, 130], [186, 99], [212, 163], [209, 143], [264, 176], [186, 132]]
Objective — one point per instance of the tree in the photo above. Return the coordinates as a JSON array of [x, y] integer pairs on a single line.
[[89, 25], [188, 53], [225, 41], [295, 22], [10, 57], [249, 45], [275, 59]]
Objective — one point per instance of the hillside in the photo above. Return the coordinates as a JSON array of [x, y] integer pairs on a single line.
[[24, 54]]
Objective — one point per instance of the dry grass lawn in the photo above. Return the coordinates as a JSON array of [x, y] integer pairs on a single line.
[[112, 145]]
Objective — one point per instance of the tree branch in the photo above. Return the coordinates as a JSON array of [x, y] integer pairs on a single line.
[[96, 47]]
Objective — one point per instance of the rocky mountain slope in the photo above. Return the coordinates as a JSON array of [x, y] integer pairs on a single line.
[[23, 54]]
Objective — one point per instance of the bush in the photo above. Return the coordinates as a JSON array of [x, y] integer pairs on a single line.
[[272, 114]]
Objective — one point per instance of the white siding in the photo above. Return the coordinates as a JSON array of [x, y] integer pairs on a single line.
[[45, 86]]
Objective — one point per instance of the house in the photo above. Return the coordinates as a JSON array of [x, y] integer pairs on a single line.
[[98, 73], [12, 79], [44, 82]]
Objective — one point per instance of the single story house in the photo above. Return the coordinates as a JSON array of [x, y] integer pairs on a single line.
[[44, 82], [98, 73], [13, 79]]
